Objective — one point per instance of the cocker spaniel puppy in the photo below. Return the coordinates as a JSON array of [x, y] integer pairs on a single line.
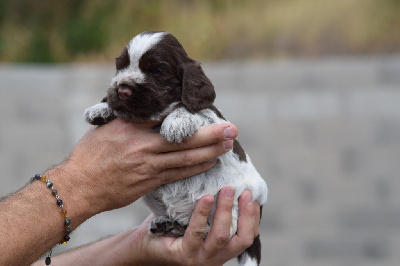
[[157, 81]]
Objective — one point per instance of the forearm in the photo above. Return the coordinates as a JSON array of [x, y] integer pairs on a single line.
[[31, 222], [101, 253]]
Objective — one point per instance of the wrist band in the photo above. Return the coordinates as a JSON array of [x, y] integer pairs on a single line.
[[60, 204]]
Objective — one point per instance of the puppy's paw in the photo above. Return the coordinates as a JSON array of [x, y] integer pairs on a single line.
[[180, 125], [177, 134], [165, 226], [99, 114]]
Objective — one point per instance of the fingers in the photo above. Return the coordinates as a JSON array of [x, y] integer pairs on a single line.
[[175, 161], [217, 248], [212, 134], [193, 156], [205, 136], [169, 175], [218, 242], [193, 238], [219, 234], [248, 224], [208, 143]]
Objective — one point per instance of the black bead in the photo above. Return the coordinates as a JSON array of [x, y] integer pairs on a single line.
[[67, 238], [68, 231], [48, 260], [59, 202]]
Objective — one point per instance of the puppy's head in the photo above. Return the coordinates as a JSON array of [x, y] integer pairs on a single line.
[[155, 75]]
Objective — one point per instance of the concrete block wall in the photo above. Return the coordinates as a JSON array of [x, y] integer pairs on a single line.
[[324, 133]]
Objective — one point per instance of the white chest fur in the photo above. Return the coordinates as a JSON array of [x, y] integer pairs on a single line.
[[177, 199]]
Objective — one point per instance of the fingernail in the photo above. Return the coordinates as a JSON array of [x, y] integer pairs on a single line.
[[229, 192], [228, 144], [230, 132]]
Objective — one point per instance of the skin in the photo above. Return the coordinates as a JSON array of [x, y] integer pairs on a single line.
[[112, 166], [137, 247]]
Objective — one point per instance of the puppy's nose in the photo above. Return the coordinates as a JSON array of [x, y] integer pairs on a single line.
[[124, 92]]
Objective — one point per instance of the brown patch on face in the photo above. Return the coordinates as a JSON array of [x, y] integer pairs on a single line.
[[170, 77]]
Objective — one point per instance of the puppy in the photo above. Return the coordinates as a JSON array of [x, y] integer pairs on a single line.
[[157, 81]]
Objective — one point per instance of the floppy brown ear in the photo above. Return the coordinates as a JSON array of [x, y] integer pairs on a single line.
[[197, 90]]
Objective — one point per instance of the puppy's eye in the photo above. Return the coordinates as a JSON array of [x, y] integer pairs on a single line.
[[123, 60], [154, 71]]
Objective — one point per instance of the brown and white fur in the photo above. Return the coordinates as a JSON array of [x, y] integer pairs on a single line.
[[157, 81]]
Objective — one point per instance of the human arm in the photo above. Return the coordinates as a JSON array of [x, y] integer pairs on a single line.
[[137, 247], [111, 166]]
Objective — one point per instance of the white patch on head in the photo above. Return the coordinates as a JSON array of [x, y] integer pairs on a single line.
[[136, 48], [141, 44]]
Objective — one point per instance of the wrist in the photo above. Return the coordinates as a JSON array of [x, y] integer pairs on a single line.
[[128, 247], [74, 195]]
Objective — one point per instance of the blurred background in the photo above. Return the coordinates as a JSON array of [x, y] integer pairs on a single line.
[[313, 87]]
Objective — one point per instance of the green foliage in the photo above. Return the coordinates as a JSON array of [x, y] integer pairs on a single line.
[[92, 30], [82, 36], [38, 49]]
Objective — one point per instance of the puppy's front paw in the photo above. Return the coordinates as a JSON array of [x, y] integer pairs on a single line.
[[177, 134], [180, 125], [99, 114]]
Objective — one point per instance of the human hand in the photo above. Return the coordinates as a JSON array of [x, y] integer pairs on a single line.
[[115, 164], [192, 249]]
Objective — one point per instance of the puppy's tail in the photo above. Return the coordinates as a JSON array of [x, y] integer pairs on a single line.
[[252, 255]]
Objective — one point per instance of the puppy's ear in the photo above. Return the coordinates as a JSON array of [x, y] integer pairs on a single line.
[[197, 90]]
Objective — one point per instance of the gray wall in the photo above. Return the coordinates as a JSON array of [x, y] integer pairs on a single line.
[[324, 133]]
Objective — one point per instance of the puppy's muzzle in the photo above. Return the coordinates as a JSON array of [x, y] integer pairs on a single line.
[[124, 91]]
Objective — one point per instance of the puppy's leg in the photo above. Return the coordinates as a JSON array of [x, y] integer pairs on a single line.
[[181, 125], [99, 114]]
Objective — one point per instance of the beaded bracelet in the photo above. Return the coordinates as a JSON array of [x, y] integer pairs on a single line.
[[67, 222]]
